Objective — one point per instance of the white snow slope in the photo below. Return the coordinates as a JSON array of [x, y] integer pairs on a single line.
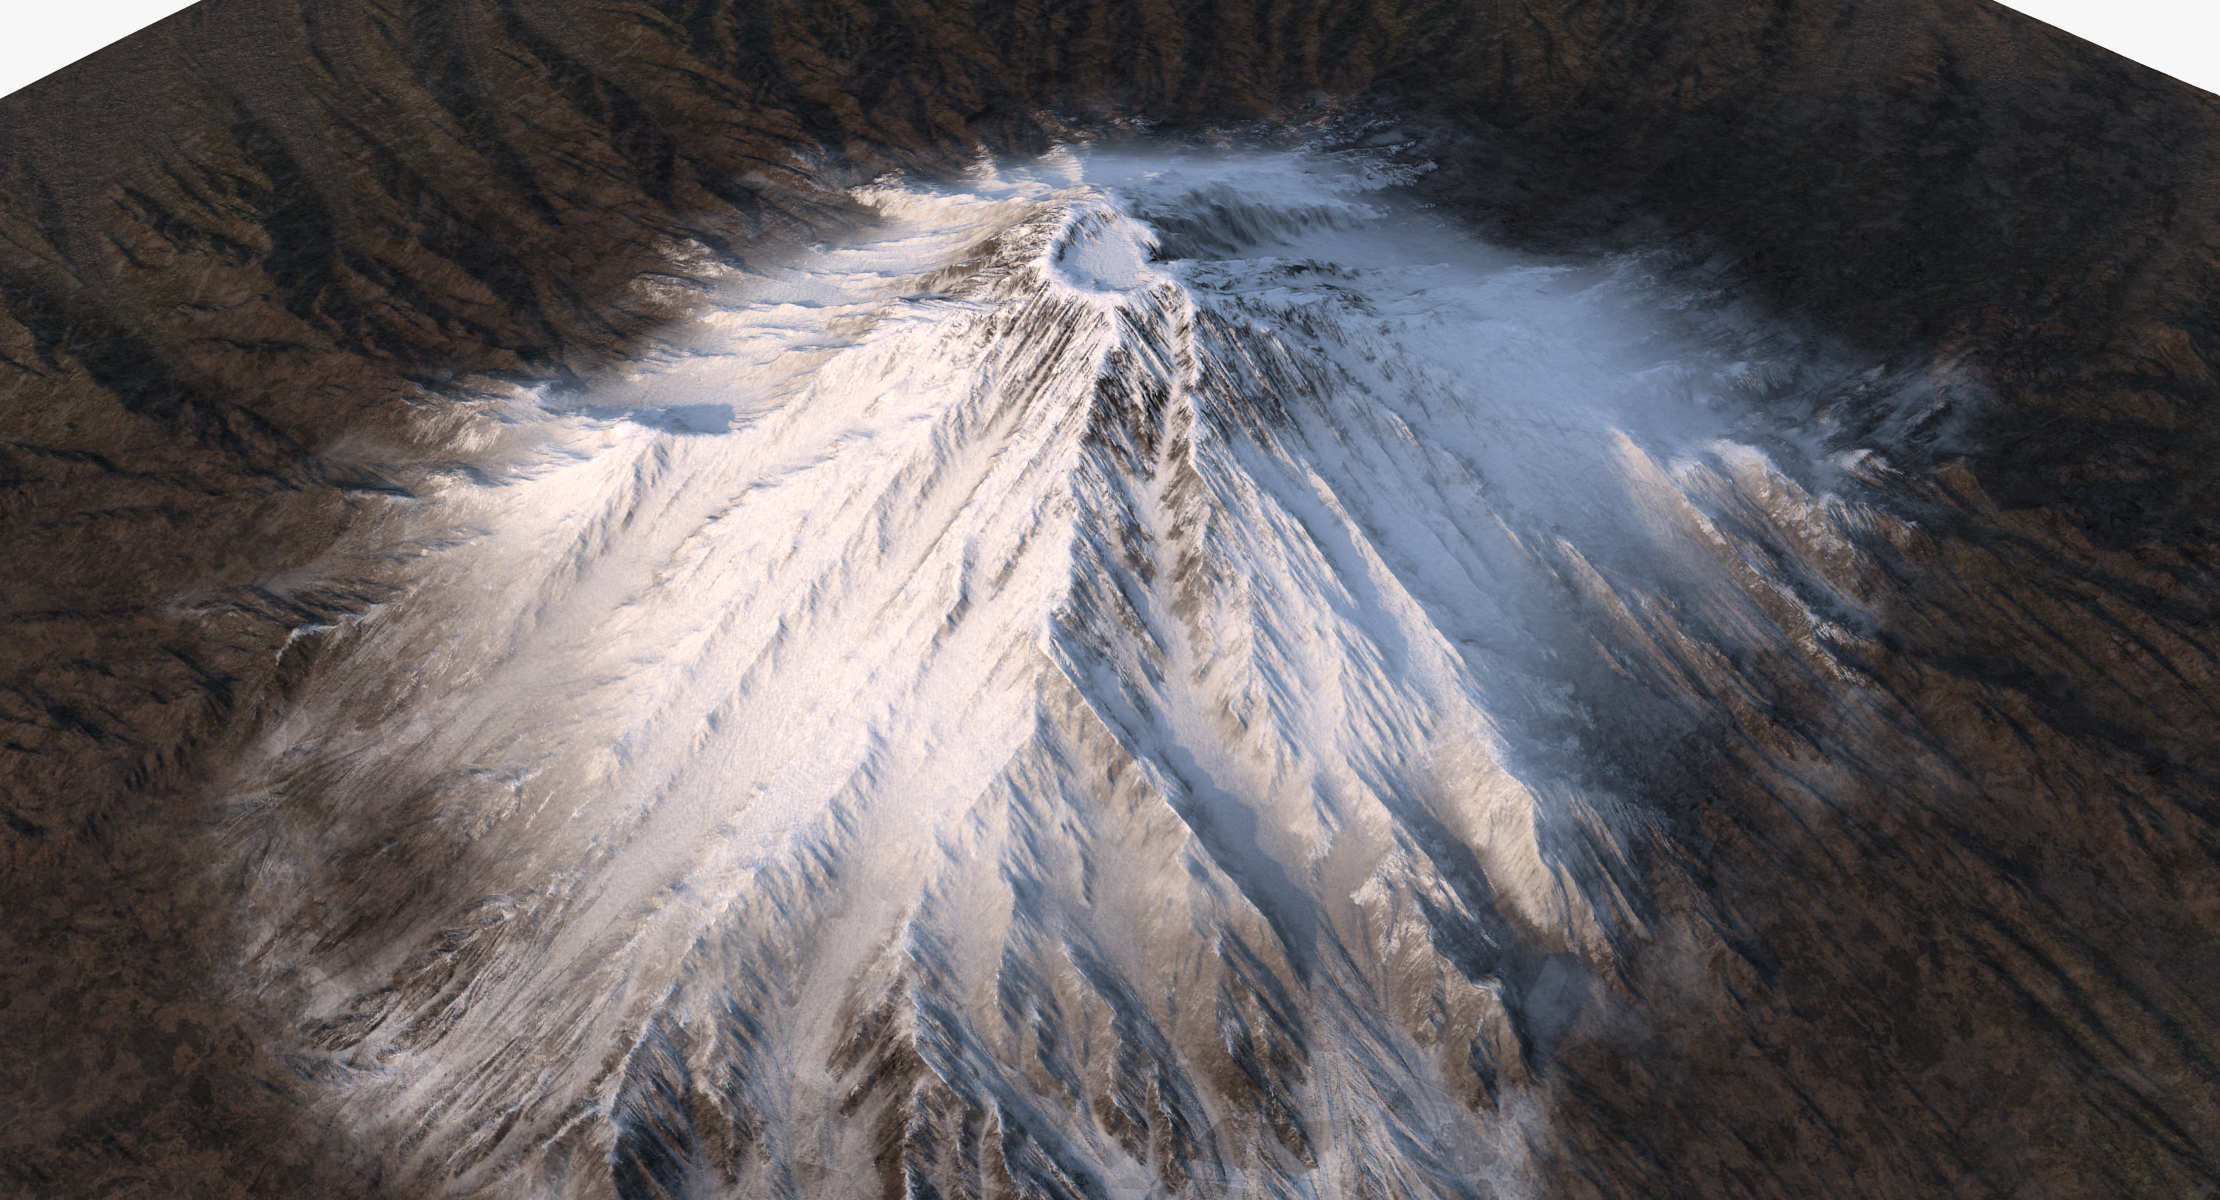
[[1089, 690]]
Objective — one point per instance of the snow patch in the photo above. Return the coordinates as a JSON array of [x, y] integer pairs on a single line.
[[1104, 662]]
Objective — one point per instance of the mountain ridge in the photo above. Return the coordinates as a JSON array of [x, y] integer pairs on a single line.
[[252, 252]]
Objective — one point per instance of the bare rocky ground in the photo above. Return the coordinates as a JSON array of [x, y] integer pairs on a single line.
[[1964, 945]]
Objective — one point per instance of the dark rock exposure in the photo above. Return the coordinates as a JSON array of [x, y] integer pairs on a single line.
[[1875, 855]]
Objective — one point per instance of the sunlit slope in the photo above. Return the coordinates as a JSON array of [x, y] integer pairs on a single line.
[[1101, 683]]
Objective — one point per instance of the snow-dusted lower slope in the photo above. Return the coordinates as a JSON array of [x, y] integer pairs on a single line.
[[1098, 688]]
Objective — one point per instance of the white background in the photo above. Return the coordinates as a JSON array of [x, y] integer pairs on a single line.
[[2179, 37]]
